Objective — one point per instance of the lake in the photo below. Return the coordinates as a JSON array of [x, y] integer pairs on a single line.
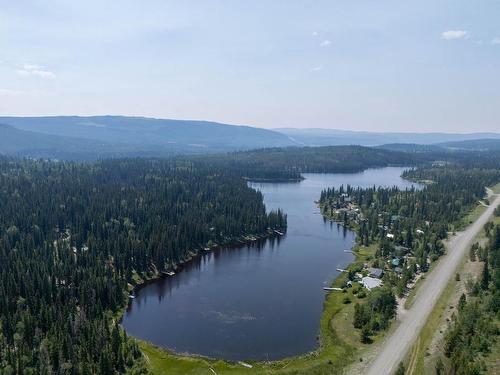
[[262, 301]]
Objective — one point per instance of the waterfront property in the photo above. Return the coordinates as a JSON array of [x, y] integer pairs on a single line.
[[375, 272], [371, 282]]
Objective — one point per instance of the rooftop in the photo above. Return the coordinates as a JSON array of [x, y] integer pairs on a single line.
[[371, 282]]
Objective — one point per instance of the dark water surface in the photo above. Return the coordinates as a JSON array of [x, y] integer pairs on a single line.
[[262, 301]]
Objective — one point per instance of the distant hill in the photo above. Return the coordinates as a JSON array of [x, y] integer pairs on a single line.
[[23, 143], [474, 145], [332, 137], [163, 135], [411, 147], [94, 137]]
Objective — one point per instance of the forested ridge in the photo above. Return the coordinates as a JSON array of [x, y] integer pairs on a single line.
[[73, 236], [290, 162]]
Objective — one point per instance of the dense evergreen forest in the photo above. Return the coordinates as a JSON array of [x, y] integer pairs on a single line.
[[74, 235], [289, 163]]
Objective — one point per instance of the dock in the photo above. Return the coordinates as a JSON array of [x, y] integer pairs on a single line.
[[278, 232], [332, 289], [341, 270], [244, 364]]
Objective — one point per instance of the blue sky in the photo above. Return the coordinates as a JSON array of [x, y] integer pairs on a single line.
[[360, 65]]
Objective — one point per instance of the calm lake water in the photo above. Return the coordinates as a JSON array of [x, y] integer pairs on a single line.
[[262, 301]]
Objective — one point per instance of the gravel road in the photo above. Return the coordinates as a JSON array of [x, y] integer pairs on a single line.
[[397, 345]]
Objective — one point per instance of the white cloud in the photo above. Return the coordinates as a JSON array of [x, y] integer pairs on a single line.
[[325, 43], [314, 33], [496, 40], [35, 70], [317, 68], [454, 34]]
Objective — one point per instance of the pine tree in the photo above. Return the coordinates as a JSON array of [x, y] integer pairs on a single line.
[[462, 301], [485, 277]]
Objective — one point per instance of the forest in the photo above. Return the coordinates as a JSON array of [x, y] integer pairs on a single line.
[[74, 235], [290, 162]]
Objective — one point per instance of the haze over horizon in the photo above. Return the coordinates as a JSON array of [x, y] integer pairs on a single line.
[[405, 67]]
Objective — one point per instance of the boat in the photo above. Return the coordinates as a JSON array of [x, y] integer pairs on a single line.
[[328, 289], [131, 296], [170, 273]]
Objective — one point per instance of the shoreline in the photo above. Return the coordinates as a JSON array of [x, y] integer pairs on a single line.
[[324, 339], [238, 242], [337, 351], [330, 343]]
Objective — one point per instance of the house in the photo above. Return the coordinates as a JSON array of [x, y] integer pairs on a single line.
[[390, 236], [371, 282], [395, 262], [375, 272], [420, 231]]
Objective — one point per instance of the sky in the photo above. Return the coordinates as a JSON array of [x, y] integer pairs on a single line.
[[397, 65]]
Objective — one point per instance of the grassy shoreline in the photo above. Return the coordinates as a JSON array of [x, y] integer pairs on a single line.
[[339, 343]]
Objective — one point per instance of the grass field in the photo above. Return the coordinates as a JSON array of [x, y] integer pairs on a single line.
[[339, 343], [471, 216]]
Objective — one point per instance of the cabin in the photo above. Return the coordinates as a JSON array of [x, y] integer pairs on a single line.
[[395, 262], [375, 272], [371, 282]]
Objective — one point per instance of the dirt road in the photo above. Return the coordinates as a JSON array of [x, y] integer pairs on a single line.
[[397, 345]]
